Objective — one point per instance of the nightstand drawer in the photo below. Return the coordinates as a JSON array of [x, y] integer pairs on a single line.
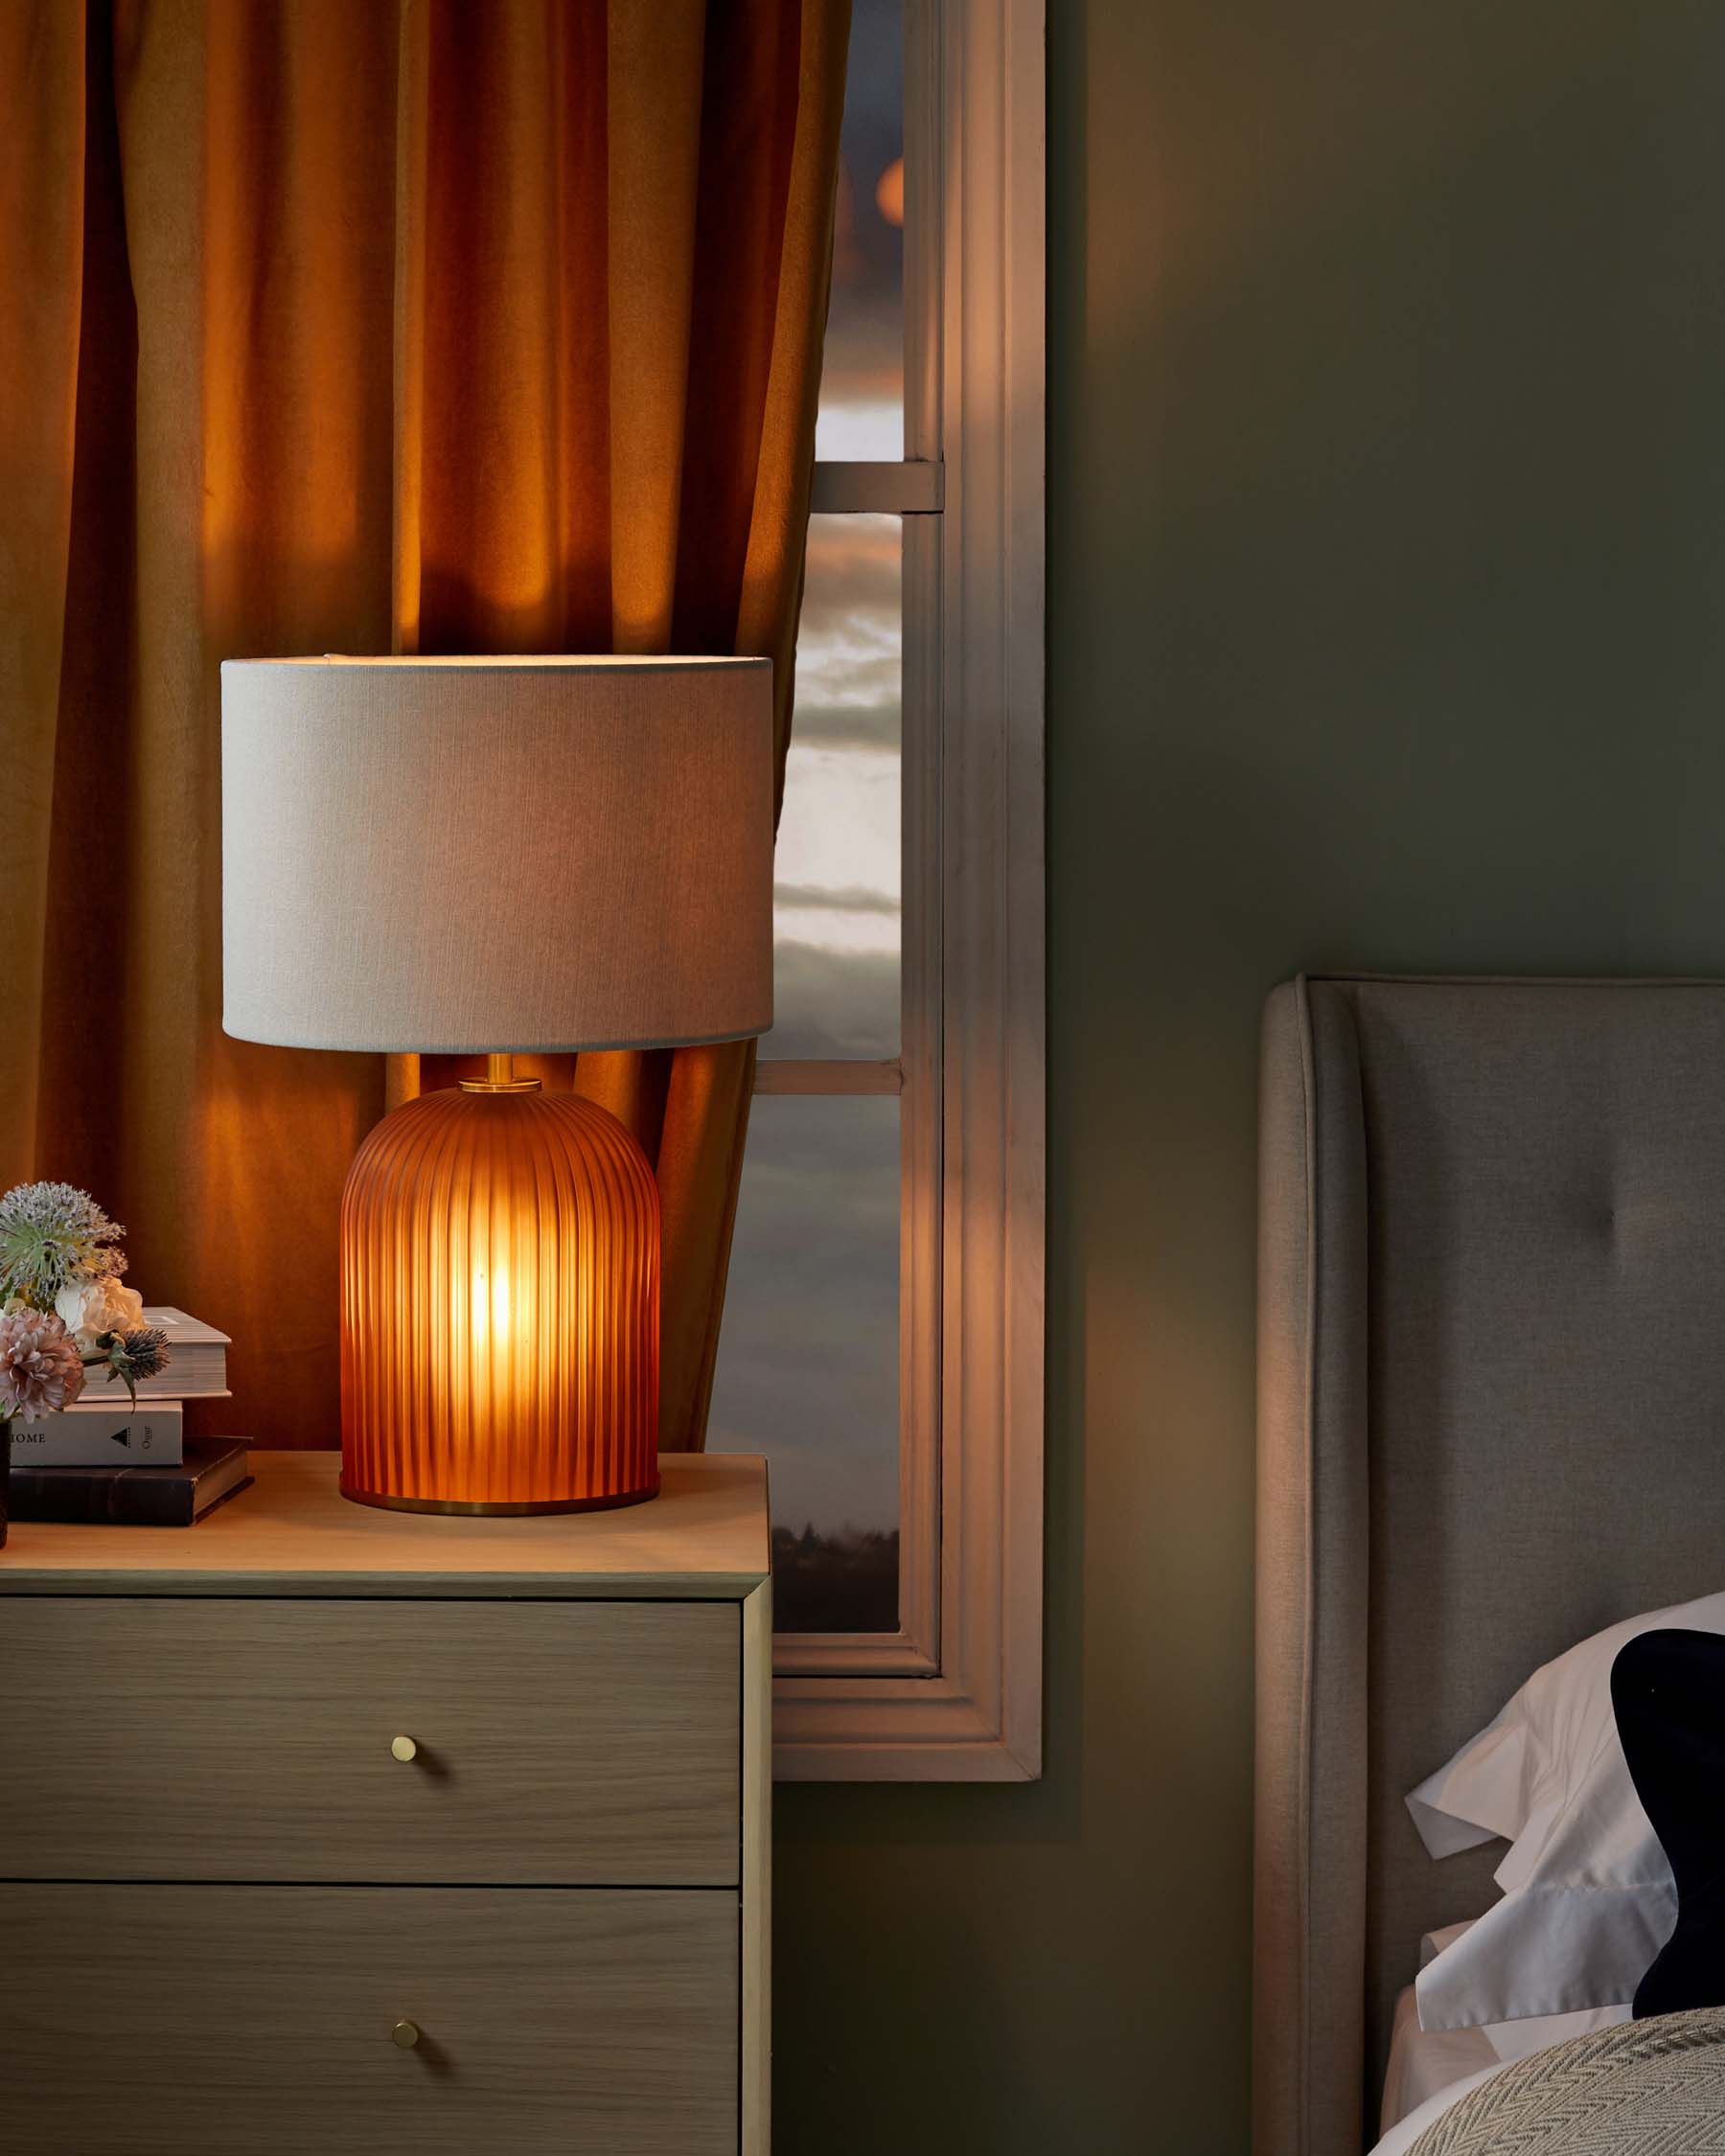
[[193, 2021], [553, 1743]]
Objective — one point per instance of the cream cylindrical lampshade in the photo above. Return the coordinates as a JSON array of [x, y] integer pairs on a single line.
[[473, 854]]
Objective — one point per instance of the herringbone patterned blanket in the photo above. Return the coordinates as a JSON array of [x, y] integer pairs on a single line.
[[1643, 2088]]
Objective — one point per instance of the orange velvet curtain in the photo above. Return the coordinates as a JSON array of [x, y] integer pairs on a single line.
[[361, 325]]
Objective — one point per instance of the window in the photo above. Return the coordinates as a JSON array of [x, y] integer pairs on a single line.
[[883, 1334]]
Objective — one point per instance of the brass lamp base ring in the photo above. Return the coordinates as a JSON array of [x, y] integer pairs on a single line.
[[465, 1509]]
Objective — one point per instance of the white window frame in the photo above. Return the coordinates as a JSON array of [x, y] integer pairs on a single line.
[[955, 1694]]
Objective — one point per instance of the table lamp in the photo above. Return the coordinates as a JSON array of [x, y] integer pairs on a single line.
[[464, 856]]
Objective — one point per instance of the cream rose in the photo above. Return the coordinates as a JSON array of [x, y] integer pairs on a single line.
[[90, 1308]]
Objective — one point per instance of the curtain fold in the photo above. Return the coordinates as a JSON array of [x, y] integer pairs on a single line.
[[42, 58], [358, 327]]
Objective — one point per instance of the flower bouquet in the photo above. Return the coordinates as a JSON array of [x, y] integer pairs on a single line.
[[64, 1312]]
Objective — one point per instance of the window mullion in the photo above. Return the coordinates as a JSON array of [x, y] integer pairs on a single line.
[[906, 489], [920, 1039], [845, 1078], [924, 193]]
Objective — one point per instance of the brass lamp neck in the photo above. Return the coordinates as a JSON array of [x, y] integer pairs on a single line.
[[499, 1078]]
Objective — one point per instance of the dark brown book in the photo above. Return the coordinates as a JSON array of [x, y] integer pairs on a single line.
[[133, 1497]]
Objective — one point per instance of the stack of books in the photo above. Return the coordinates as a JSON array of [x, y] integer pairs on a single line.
[[103, 1458]]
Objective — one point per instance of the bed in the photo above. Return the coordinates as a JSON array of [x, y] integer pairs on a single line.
[[1491, 1421]]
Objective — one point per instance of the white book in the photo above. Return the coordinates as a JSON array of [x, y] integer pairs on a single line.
[[196, 1367], [100, 1435]]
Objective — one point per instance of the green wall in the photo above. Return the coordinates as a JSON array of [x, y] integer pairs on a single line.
[[1386, 562]]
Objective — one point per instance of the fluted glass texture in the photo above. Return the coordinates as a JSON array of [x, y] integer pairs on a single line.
[[500, 1285]]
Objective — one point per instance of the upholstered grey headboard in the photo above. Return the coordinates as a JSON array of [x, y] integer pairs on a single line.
[[1491, 1419]]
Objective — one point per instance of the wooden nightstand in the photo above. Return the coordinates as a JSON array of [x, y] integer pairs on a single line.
[[385, 1834]]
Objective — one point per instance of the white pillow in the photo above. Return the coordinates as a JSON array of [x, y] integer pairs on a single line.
[[1516, 2039], [1588, 1895]]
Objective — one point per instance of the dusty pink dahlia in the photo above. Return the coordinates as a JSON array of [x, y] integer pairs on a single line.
[[40, 1364]]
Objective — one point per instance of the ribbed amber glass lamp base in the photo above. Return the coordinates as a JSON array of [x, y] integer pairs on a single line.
[[499, 1308]]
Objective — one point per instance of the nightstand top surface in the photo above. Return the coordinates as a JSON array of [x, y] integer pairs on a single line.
[[293, 1532]]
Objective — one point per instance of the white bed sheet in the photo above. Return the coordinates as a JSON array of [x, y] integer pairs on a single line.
[[1430, 2068], [1401, 2137], [1425, 2062]]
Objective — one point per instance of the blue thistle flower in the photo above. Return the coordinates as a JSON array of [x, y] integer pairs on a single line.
[[141, 1353]]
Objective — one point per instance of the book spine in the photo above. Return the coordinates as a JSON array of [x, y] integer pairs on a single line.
[[69, 1494], [172, 1384], [154, 1436]]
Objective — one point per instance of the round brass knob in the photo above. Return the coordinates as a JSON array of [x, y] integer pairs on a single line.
[[402, 1748], [405, 2033]]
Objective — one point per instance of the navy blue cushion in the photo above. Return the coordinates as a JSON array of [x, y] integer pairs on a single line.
[[1668, 1690]]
